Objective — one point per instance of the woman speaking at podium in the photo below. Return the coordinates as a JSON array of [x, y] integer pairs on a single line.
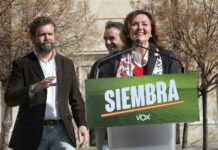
[[147, 57]]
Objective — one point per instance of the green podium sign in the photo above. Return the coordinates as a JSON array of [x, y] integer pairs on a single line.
[[159, 99]]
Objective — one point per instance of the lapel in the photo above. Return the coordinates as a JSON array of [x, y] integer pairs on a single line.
[[34, 63], [151, 63], [59, 72], [116, 64]]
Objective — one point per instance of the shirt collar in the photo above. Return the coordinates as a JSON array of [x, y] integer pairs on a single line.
[[40, 58], [137, 59]]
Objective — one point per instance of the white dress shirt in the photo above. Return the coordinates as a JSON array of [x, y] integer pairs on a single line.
[[49, 69]]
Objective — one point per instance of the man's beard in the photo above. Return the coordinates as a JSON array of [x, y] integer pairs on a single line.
[[45, 47], [111, 48]]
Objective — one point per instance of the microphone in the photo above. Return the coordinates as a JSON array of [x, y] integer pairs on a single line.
[[117, 53], [137, 44]]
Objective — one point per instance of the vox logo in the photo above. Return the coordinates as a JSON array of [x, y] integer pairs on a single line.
[[143, 117]]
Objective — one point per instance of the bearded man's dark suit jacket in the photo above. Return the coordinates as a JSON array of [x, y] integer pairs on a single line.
[[29, 123]]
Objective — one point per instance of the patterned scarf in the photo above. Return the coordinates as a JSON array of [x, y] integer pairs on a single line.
[[129, 60]]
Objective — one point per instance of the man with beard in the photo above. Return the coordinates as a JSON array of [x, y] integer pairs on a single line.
[[113, 36], [43, 84], [114, 41]]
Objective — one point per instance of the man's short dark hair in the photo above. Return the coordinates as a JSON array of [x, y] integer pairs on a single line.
[[114, 24], [40, 21]]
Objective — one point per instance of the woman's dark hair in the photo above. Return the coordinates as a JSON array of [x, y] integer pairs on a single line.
[[128, 21], [40, 21]]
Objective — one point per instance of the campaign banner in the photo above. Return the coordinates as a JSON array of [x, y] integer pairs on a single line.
[[168, 98]]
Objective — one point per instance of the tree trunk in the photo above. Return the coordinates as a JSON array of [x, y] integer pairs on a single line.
[[185, 136], [177, 133], [6, 125], [217, 97], [205, 129], [175, 44], [92, 141]]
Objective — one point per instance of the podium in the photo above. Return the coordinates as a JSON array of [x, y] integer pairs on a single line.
[[140, 112], [142, 137]]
